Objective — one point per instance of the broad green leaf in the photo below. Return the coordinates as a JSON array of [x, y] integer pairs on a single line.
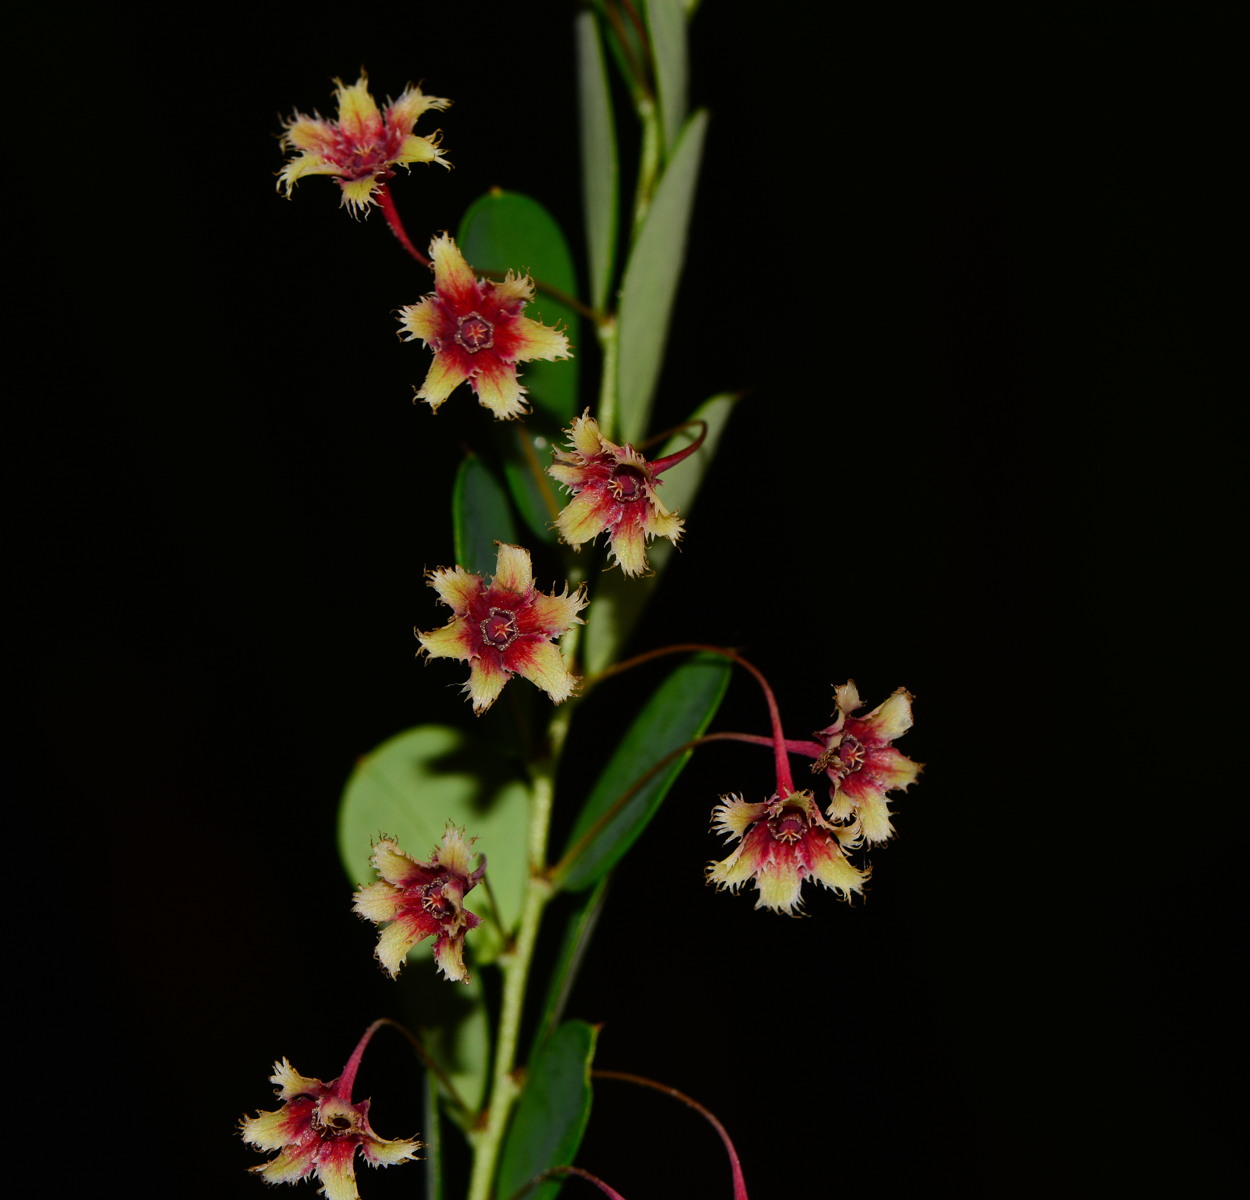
[[577, 935], [600, 172], [480, 516], [618, 602], [680, 709], [551, 1115], [666, 27], [526, 452], [506, 231], [411, 786], [651, 277], [453, 1024]]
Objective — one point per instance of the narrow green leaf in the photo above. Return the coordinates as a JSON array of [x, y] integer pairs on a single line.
[[600, 171], [651, 278], [618, 602], [680, 709], [551, 1115], [666, 27], [526, 451], [506, 231], [411, 786], [577, 935], [480, 516]]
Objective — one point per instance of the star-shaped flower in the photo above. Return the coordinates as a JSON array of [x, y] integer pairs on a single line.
[[421, 900], [319, 1129], [363, 145], [614, 490], [861, 764], [477, 332], [504, 628], [783, 842]]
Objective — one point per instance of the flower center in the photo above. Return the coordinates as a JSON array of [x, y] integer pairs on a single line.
[[627, 484], [475, 333], [851, 755], [789, 825], [499, 629], [333, 1116], [434, 902]]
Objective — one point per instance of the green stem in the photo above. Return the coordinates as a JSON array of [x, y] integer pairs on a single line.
[[606, 414], [515, 964]]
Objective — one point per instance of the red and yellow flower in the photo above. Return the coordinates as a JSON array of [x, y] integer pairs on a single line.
[[318, 1129], [783, 842], [504, 627], [861, 764], [363, 145], [614, 491], [421, 900], [477, 332]]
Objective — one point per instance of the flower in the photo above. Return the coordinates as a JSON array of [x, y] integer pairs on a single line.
[[505, 628], [363, 145], [421, 900], [476, 331], [783, 842], [614, 489], [318, 1128], [861, 764]]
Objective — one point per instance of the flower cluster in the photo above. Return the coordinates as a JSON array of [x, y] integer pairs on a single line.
[[421, 900], [318, 1129], [861, 764], [363, 145], [783, 841], [477, 332], [504, 628], [614, 491]]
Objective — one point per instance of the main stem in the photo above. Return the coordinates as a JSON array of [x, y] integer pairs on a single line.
[[515, 963]]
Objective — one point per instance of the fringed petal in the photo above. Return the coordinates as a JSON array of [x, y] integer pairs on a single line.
[[890, 719], [552, 615], [495, 383], [414, 149], [452, 278], [337, 1170], [629, 545], [359, 118], [542, 664], [486, 679], [513, 569], [586, 516], [523, 340], [453, 640], [377, 902], [427, 321], [456, 587], [446, 374]]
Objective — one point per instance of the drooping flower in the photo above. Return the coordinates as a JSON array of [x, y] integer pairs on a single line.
[[421, 900], [363, 145], [504, 628], [477, 332], [783, 841], [861, 764], [318, 1129], [614, 490]]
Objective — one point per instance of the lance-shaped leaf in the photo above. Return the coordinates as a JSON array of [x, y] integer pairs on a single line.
[[651, 278], [480, 516], [506, 231], [526, 452], [577, 933], [600, 172], [666, 29], [680, 709], [551, 1115], [618, 601]]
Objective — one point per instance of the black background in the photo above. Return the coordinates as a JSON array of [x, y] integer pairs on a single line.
[[905, 246]]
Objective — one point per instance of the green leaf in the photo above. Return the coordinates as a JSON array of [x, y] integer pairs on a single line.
[[577, 935], [551, 1115], [600, 172], [651, 278], [618, 602], [432, 1129], [411, 786], [526, 451], [505, 231], [680, 709], [480, 516], [666, 28]]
